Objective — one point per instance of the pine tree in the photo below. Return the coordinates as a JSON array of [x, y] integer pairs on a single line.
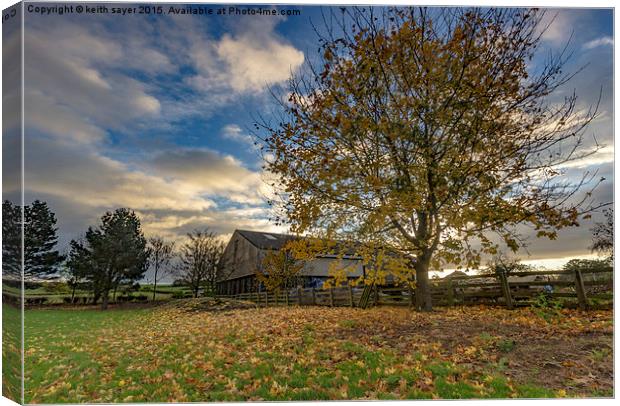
[[114, 253], [40, 238], [11, 240]]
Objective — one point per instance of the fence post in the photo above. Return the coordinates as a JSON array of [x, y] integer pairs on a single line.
[[286, 297], [331, 297], [505, 289], [351, 296], [266, 299], [257, 298], [299, 295], [450, 292], [376, 295], [313, 297], [581, 291]]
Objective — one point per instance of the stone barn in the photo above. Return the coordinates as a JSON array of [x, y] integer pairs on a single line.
[[244, 255]]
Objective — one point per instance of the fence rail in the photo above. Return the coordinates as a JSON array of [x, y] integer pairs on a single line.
[[582, 288]]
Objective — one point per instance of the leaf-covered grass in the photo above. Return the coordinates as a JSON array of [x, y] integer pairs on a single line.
[[170, 354], [11, 347]]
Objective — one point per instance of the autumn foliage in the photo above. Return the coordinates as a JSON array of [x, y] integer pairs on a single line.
[[279, 270], [425, 132]]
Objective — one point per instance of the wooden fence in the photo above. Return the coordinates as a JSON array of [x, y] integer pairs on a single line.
[[582, 288]]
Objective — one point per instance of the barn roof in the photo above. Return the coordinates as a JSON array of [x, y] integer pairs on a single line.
[[274, 241], [266, 241]]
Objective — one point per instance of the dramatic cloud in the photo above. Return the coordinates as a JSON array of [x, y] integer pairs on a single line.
[[211, 173], [94, 86], [603, 155], [100, 182], [138, 112], [72, 91], [46, 115]]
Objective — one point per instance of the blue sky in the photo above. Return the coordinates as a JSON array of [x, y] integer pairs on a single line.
[[153, 113]]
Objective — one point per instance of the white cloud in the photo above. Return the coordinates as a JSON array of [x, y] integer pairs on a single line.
[[45, 115], [69, 70], [255, 64], [245, 62], [603, 155], [598, 42], [235, 133]]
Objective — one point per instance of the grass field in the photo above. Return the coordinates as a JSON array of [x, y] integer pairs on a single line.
[[171, 354], [55, 296], [11, 347]]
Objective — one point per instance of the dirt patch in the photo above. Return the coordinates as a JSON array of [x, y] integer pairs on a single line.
[[575, 365], [568, 350]]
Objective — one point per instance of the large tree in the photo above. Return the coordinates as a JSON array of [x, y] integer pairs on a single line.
[[162, 253], [113, 253], [200, 258], [426, 131]]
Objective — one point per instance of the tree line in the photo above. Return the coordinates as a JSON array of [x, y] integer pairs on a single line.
[[112, 254]]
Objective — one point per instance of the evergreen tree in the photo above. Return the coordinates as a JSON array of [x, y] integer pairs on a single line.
[[77, 266], [40, 238], [11, 240], [111, 254]]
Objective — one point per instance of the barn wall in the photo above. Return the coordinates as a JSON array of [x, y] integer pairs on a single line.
[[240, 258]]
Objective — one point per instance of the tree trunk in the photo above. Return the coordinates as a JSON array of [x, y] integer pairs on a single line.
[[155, 284], [104, 300], [423, 299], [196, 291], [73, 293]]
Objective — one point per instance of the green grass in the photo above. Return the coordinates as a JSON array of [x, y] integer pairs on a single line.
[[599, 355], [534, 392], [57, 294], [65, 339], [11, 347]]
